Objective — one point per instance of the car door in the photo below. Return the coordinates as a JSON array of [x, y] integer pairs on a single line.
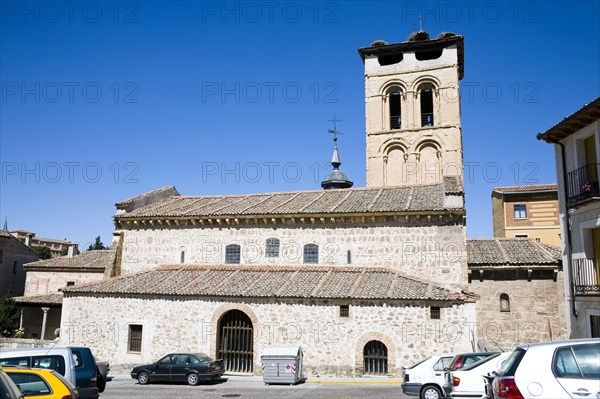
[[438, 369], [163, 369], [577, 370], [179, 368]]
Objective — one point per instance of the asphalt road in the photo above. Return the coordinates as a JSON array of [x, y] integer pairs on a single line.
[[252, 387]]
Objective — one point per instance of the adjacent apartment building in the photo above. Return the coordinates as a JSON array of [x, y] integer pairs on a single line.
[[57, 247], [576, 141], [528, 212]]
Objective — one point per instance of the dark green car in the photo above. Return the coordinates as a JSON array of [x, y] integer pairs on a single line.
[[180, 367]]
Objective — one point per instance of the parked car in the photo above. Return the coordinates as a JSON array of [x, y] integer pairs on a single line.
[[551, 370], [8, 389], [76, 364], [467, 382], [425, 378], [182, 367], [36, 383], [461, 361], [102, 369]]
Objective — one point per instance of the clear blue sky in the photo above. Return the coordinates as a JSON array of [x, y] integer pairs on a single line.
[[101, 101]]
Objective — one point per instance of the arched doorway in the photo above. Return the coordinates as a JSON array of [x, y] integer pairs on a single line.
[[235, 341]]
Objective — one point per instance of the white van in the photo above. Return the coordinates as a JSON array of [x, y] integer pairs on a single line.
[[426, 378], [76, 364]]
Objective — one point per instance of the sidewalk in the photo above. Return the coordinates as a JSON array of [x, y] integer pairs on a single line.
[[310, 380]]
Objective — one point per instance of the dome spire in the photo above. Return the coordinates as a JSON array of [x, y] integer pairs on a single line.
[[335, 179]]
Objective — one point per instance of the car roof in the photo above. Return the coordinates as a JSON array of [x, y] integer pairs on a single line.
[[25, 369], [554, 344]]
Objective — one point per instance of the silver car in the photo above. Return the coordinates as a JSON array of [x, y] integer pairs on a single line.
[[551, 370]]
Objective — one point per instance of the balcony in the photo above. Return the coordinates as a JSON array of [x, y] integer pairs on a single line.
[[586, 276], [582, 184], [426, 119]]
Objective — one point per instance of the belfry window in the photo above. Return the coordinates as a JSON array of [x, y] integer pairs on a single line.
[[426, 106], [395, 109]]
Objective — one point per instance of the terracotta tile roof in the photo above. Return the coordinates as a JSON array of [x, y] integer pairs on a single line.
[[144, 195], [334, 201], [52, 299], [510, 252], [523, 189], [327, 282], [572, 123], [95, 261]]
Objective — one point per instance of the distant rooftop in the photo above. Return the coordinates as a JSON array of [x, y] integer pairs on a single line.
[[526, 189]]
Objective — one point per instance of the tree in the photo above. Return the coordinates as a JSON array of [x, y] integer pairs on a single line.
[[96, 245], [9, 316], [43, 252]]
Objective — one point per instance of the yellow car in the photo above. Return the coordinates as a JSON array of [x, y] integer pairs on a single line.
[[40, 383]]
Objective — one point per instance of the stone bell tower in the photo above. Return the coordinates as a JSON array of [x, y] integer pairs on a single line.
[[413, 110]]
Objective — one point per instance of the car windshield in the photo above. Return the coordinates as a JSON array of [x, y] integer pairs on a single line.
[[508, 363], [480, 362], [201, 357], [416, 364]]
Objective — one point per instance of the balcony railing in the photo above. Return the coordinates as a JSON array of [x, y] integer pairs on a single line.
[[586, 276], [582, 184]]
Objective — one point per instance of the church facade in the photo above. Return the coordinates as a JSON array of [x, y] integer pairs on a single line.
[[366, 280]]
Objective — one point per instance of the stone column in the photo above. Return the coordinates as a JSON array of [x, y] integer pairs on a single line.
[[21, 320], [44, 320]]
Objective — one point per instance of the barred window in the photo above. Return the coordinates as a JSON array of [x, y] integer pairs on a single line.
[[344, 310], [375, 358], [435, 312], [272, 248], [311, 253], [134, 343], [232, 254]]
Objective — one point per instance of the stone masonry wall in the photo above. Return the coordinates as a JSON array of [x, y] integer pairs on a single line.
[[332, 345], [536, 308], [43, 283], [432, 252]]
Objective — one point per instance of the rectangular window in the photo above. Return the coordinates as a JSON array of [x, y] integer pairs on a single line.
[[70, 283], [15, 267], [595, 326], [435, 313], [344, 310], [521, 235], [134, 343], [520, 211], [272, 248]]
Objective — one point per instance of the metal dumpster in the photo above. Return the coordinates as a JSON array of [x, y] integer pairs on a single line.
[[282, 364]]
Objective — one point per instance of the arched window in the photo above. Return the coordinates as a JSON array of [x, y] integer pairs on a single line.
[[311, 253], [375, 358], [395, 108], [272, 248], [504, 303], [232, 254], [426, 99], [182, 257]]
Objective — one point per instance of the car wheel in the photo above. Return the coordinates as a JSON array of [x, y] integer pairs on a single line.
[[101, 383], [431, 392], [143, 378], [192, 379]]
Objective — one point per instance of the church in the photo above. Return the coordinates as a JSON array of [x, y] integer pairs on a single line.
[[365, 280]]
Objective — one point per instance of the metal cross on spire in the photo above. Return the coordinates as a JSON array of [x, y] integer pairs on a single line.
[[334, 131]]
